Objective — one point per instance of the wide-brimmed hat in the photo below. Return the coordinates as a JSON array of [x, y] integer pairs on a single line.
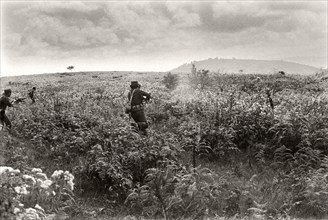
[[134, 84]]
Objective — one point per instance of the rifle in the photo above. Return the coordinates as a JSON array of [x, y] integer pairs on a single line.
[[18, 100]]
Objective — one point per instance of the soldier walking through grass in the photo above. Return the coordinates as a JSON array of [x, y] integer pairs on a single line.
[[31, 94], [136, 99]]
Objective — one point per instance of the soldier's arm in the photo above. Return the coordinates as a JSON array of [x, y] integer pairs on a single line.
[[9, 103]]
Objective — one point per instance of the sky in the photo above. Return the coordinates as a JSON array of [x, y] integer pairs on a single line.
[[47, 36]]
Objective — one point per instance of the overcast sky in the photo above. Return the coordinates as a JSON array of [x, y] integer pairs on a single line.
[[38, 37]]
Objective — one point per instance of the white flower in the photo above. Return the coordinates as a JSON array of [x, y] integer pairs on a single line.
[[71, 184], [39, 207], [45, 184], [30, 214], [16, 210], [39, 182], [31, 211], [24, 190], [36, 170], [57, 174], [15, 171], [29, 178], [4, 169], [42, 176], [69, 179], [17, 189], [21, 190], [68, 176]]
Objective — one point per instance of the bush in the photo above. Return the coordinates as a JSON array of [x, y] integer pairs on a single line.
[[200, 79], [122, 164], [22, 192], [171, 81], [175, 192]]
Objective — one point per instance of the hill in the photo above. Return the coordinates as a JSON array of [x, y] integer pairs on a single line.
[[248, 66]]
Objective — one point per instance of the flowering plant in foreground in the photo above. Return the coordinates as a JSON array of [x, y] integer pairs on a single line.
[[30, 194]]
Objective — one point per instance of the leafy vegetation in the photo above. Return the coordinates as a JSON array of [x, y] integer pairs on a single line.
[[238, 146], [171, 81], [21, 193]]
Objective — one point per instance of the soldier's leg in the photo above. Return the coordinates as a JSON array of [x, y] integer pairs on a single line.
[[135, 118], [2, 124], [142, 122], [140, 118], [4, 119], [7, 122], [134, 125]]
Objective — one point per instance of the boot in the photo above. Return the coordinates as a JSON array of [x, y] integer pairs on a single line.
[[134, 127]]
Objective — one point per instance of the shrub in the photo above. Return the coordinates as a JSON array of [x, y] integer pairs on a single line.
[[171, 81], [174, 192], [200, 79], [122, 164], [22, 192]]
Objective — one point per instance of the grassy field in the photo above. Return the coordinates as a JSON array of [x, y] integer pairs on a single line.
[[220, 146]]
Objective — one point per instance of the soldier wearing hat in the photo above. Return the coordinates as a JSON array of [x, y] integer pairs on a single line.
[[136, 98], [4, 103]]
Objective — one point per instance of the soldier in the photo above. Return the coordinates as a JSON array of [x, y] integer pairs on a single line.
[[31, 94], [136, 98], [4, 102]]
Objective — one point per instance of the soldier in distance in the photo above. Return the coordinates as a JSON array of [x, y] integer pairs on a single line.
[[31, 94], [136, 98]]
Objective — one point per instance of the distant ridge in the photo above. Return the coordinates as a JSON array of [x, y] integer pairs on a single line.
[[247, 66]]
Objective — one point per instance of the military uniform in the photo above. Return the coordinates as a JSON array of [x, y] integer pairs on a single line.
[[137, 107], [4, 103]]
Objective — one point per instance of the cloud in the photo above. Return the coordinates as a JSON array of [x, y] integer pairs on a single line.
[[12, 40], [288, 6], [100, 30], [183, 19], [63, 31], [274, 16]]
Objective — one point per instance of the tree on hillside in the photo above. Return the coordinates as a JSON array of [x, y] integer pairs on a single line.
[[70, 68]]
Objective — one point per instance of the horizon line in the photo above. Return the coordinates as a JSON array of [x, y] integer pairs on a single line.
[[151, 71]]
